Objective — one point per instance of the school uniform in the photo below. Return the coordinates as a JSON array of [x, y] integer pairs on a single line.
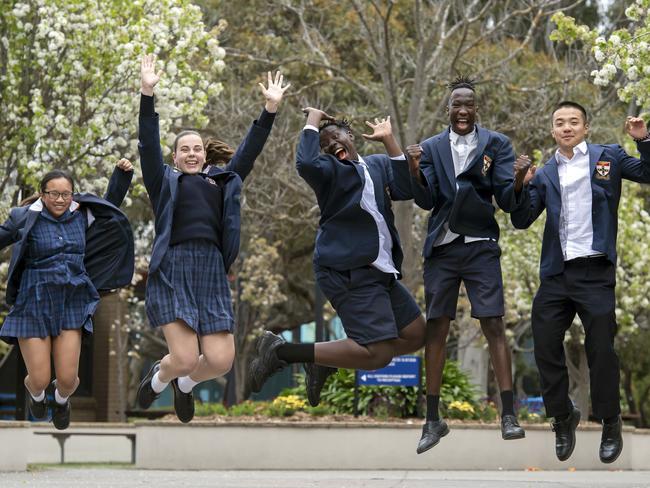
[[58, 265], [357, 256], [460, 177], [197, 224], [578, 266]]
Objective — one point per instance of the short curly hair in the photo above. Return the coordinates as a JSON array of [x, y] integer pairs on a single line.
[[340, 123]]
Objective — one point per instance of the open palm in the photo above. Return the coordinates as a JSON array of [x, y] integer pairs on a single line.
[[274, 91]]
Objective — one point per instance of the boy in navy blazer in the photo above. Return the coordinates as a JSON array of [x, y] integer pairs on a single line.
[[456, 174], [357, 258], [580, 188]]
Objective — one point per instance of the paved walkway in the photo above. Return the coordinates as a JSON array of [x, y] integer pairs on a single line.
[[86, 477]]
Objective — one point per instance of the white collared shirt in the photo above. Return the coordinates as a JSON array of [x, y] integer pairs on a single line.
[[463, 149], [576, 226], [384, 261]]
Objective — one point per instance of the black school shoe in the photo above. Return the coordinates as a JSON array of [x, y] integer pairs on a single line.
[[183, 403], [60, 413], [611, 442], [510, 428], [146, 395], [565, 434], [37, 409], [315, 378], [432, 432], [265, 363]]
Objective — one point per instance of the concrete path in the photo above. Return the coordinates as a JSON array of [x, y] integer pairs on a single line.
[[100, 477]]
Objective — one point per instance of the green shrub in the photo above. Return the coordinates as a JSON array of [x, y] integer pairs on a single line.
[[205, 409]]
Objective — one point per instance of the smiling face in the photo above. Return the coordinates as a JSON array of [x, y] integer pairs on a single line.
[[339, 142], [189, 155], [62, 189], [569, 129], [462, 110]]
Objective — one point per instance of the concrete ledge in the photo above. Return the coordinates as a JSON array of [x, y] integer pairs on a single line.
[[368, 446], [14, 445]]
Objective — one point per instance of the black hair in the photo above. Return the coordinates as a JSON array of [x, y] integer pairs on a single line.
[[53, 175], [462, 81], [340, 123], [570, 104], [184, 133]]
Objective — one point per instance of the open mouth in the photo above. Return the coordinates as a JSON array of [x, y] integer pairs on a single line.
[[341, 153]]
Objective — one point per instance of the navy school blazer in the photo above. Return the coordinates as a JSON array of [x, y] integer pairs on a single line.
[[161, 182], [464, 201], [109, 258], [347, 235], [609, 164]]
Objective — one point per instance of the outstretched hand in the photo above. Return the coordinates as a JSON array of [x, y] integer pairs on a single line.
[[125, 165], [148, 75], [274, 92], [636, 128], [381, 130]]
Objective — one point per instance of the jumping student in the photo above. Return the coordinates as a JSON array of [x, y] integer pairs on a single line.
[[456, 174], [357, 259], [197, 222], [580, 187], [68, 247]]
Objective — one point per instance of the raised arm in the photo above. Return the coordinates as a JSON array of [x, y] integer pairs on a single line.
[[151, 159], [9, 231], [632, 168], [120, 181], [244, 158], [308, 161], [397, 169], [422, 177], [503, 179]]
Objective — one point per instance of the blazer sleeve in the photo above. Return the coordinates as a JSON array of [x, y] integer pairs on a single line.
[[151, 160], [523, 216], [632, 168], [9, 231], [311, 166], [503, 179], [244, 158], [425, 189], [399, 178], [118, 186]]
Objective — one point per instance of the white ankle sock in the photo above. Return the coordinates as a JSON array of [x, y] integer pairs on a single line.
[[60, 399], [37, 398], [185, 384], [157, 385]]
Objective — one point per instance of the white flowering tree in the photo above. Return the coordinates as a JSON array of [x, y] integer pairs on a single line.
[[69, 84], [623, 54]]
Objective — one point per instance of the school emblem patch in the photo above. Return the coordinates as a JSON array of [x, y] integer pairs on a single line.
[[487, 162], [602, 170]]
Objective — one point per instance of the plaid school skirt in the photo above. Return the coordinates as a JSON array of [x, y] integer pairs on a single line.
[[48, 303], [191, 285]]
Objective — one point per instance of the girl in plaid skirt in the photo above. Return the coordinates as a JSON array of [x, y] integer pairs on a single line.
[[53, 297], [197, 223]]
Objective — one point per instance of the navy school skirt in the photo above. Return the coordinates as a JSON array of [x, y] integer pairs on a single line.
[[191, 285]]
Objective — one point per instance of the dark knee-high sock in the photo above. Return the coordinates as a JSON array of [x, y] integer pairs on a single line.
[[296, 353], [507, 403], [432, 407]]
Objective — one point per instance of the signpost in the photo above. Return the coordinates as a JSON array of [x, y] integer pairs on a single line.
[[401, 371]]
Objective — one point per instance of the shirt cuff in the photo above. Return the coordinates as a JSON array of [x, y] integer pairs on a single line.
[[147, 105], [401, 157], [311, 127], [266, 119]]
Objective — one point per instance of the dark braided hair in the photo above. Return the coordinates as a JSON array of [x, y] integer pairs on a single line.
[[340, 123], [462, 81]]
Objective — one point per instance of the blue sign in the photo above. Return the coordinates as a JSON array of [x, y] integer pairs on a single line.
[[402, 371]]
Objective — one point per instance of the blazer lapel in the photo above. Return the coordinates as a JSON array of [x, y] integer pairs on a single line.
[[483, 138], [553, 174], [443, 146]]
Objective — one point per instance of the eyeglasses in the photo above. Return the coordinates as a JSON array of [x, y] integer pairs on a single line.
[[54, 195]]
